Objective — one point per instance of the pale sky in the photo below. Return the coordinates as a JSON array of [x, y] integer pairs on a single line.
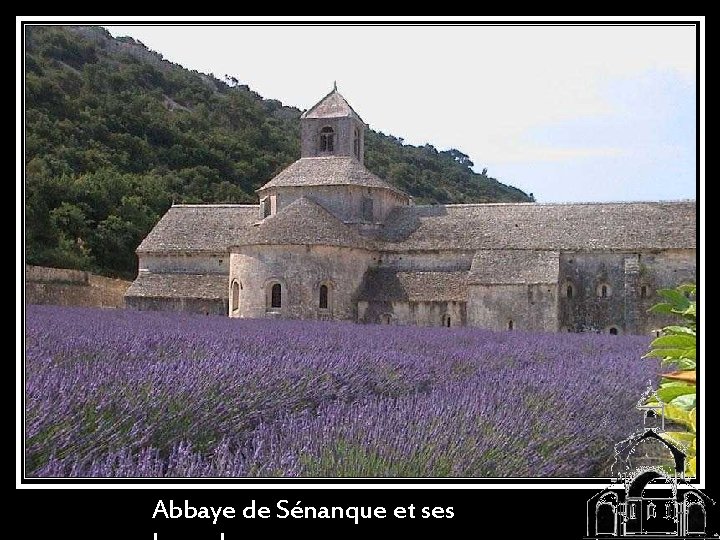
[[569, 113]]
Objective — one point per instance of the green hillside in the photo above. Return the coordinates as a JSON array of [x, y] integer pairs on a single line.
[[115, 135]]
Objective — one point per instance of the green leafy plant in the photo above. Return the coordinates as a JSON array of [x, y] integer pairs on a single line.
[[676, 347]]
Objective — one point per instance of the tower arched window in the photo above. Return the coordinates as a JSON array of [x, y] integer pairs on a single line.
[[276, 296], [323, 297], [356, 143], [569, 290], [327, 139]]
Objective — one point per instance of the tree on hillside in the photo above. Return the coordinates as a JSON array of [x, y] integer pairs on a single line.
[[115, 134]]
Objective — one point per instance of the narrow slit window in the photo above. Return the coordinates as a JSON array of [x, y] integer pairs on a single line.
[[356, 143], [235, 296], [323, 297], [651, 510]]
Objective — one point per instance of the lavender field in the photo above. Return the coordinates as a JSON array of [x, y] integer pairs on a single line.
[[130, 394]]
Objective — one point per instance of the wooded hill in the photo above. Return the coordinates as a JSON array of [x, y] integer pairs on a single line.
[[115, 134]]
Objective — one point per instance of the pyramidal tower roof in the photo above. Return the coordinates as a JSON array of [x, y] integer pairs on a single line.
[[333, 105], [327, 171]]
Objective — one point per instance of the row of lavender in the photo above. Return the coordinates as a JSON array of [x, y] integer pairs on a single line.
[[122, 393]]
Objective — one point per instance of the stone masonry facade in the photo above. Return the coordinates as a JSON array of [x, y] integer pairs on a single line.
[[330, 240]]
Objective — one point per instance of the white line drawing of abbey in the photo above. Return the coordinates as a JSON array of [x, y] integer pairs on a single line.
[[657, 501]]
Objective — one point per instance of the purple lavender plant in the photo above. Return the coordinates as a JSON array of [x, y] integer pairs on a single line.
[[136, 394]]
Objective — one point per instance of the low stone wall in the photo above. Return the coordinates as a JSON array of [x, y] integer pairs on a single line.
[[65, 287], [44, 274], [202, 306]]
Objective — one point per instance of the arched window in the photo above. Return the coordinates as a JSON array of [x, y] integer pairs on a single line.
[[613, 331], [604, 290], [510, 324], [327, 139], [356, 143], [276, 296], [606, 515], [447, 320], [569, 290], [695, 518], [235, 296], [643, 291], [323, 297], [386, 318]]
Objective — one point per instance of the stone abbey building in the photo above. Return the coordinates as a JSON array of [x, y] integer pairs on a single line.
[[330, 240]]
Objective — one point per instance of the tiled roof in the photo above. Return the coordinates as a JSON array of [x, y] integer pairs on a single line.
[[215, 228], [327, 171], [303, 222], [389, 285], [499, 266], [179, 286], [577, 226], [200, 228], [548, 227], [331, 106]]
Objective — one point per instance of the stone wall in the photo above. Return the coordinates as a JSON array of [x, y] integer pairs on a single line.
[[661, 270], [300, 270], [344, 202], [65, 287], [631, 281], [344, 129], [203, 306], [44, 274], [584, 309], [437, 313], [529, 307]]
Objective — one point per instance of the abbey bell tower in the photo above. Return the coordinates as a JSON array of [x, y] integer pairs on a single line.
[[332, 128]]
